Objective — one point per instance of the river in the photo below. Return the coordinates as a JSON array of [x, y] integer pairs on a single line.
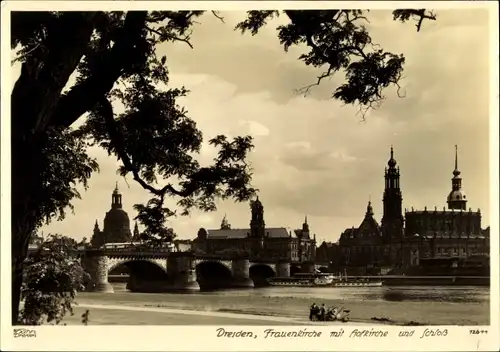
[[452, 294]]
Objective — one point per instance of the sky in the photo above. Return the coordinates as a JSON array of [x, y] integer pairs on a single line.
[[313, 156]]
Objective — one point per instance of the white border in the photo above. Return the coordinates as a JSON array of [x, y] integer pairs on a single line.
[[182, 338]]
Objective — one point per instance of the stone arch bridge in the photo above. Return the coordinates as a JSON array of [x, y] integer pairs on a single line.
[[153, 270]]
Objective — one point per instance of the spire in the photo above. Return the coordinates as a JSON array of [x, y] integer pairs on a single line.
[[456, 198], [456, 172], [136, 234], [369, 209], [305, 225], [392, 162], [96, 227], [224, 225]]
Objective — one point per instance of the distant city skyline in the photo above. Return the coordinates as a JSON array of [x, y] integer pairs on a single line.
[[312, 155]]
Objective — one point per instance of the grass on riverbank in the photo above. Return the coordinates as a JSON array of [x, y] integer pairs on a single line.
[[401, 313]]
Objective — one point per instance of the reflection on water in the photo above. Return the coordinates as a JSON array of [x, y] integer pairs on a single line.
[[456, 294]]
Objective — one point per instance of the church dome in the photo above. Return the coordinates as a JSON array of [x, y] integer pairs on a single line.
[[456, 195], [117, 222], [117, 216]]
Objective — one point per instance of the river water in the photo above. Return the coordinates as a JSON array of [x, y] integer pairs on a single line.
[[452, 294]]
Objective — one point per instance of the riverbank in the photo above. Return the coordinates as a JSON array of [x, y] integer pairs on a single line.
[[129, 315], [400, 313]]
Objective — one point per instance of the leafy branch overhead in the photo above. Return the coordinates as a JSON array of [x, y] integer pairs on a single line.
[[114, 57], [339, 41]]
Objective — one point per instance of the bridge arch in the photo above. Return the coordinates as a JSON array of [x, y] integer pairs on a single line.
[[260, 273], [213, 274], [145, 275], [294, 269], [115, 263]]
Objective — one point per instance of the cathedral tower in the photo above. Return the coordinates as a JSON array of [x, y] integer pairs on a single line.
[[257, 224], [456, 199], [392, 220]]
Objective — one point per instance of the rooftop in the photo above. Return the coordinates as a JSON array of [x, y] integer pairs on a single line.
[[272, 232]]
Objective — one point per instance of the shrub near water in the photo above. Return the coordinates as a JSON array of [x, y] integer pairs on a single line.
[[52, 277]]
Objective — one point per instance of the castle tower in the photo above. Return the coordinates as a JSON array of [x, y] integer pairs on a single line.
[[456, 199], [257, 224], [392, 220], [225, 225]]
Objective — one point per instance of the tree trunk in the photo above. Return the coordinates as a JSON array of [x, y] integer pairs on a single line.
[[24, 184], [23, 225]]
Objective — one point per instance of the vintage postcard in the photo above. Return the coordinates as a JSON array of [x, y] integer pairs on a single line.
[[249, 176]]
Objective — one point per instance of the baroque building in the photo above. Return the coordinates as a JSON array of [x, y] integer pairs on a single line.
[[407, 240], [259, 241], [116, 224]]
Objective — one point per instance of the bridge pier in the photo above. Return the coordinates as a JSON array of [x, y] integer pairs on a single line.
[[100, 276], [183, 272], [186, 281], [307, 267], [241, 274], [283, 269]]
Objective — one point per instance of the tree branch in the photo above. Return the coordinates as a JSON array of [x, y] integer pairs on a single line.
[[305, 90], [106, 111], [423, 16], [405, 14], [84, 96], [219, 17], [43, 77], [166, 36]]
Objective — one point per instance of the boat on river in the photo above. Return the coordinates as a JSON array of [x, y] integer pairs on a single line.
[[304, 280], [356, 283], [346, 281], [325, 280]]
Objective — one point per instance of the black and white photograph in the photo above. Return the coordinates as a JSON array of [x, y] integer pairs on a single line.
[[260, 173]]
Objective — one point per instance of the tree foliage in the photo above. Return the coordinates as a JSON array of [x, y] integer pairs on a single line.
[[339, 41], [52, 277], [113, 56]]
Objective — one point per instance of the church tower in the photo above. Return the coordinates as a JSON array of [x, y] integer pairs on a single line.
[[136, 234], [116, 222], [97, 239], [97, 231], [305, 234], [116, 198], [225, 225], [392, 220], [257, 224], [456, 199]]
